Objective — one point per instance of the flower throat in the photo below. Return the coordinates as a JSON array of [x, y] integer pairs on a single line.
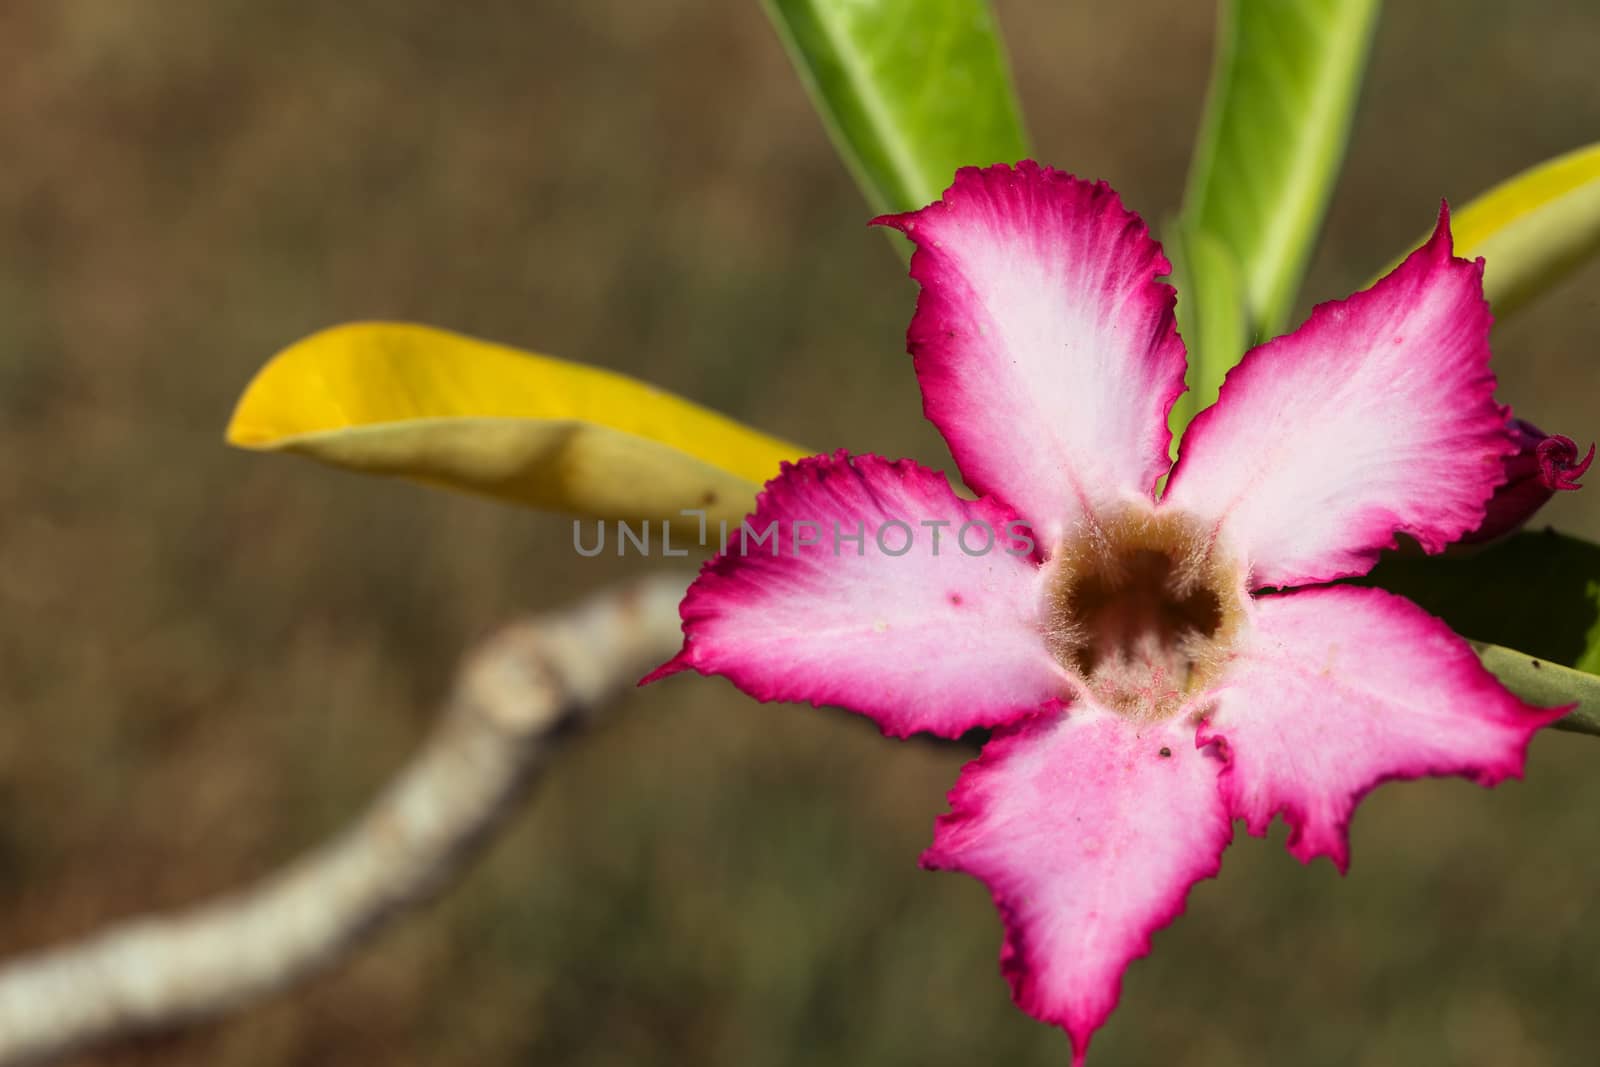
[[1142, 609]]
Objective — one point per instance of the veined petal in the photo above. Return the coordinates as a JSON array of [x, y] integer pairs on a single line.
[[1089, 830], [1045, 347], [903, 619], [1374, 418], [1340, 689]]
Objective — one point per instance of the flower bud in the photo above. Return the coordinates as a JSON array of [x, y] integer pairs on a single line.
[[1543, 465]]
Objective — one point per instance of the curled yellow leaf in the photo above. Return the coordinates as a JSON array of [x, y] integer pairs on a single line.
[[1533, 229], [451, 411]]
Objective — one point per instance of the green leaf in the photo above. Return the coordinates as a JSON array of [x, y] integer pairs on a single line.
[[911, 90], [1534, 229], [1283, 90], [1211, 316], [1537, 592], [1546, 684]]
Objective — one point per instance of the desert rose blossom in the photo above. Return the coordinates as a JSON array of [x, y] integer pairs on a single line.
[[1158, 667]]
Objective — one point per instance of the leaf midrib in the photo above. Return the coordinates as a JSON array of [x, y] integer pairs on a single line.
[[878, 112]]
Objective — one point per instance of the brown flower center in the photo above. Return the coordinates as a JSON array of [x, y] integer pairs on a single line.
[[1142, 609]]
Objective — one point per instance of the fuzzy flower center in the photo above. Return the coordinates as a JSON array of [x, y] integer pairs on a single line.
[[1142, 609]]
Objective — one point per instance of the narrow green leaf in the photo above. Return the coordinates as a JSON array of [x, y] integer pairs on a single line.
[[1211, 316], [911, 90], [1538, 592], [1283, 89], [1547, 684], [1534, 229]]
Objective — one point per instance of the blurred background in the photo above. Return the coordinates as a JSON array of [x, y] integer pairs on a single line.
[[210, 660]]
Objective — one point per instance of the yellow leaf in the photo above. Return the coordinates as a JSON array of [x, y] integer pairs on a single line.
[[1533, 229], [448, 410]]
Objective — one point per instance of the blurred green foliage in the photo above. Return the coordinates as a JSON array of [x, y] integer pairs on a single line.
[[210, 659], [1287, 76], [910, 90]]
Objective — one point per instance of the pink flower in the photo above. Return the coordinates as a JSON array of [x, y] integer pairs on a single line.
[[1146, 679]]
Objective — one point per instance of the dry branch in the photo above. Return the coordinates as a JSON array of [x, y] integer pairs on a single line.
[[514, 697]]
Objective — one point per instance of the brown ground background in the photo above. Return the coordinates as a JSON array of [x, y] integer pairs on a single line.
[[210, 659]]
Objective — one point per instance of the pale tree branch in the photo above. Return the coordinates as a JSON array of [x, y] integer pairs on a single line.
[[514, 697]]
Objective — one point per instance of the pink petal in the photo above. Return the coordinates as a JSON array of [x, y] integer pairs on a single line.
[[1340, 689], [1045, 347], [1375, 417], [935, 640], [1089, 830]]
